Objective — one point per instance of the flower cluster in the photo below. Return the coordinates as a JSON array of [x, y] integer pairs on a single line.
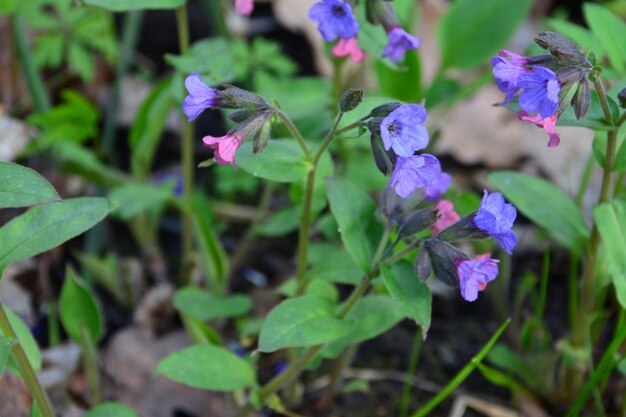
[[252, 118], [545, 82], [336, 20]]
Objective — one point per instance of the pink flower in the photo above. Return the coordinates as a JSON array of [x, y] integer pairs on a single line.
[[547, 124], [224, 148], [244, 7], [447, 216], [350, 47]]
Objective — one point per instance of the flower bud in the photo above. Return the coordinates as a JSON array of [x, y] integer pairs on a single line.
[[381, 157], [381, 12], [464, 229], [262, 137], [383, 110], [423, 268], [580, 101], [444, 259], [237, 98], [350, 100], [417, 221], [621, 96], [255, 127]]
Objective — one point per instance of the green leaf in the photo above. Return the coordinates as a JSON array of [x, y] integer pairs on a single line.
[[34, 410], [314, 94], [280, 223], [208, 367], [281, 161], [330, 263], [81, 61], [135, 198], [302, 321], [148, 126], [471, 31], [611, 221], [404, 83], [26, 339], [212, 58], [213, 254], [79, 308], [45, 227], [125, 5], [373, 315], [80, 160], [610, 30], [6, 345], [111, 410], [406, 288], [545, 205], [199, 304], [22, 187], [354, 211]]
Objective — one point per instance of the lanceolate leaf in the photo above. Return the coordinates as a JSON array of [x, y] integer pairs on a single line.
[[611, 221], [111, 410], [201, 305], [125, 5], [281, 161], [545, 205], [25, 338], [5, 351], [610, 30], [302, 321], [23, 187], [45, 227], [471, 31], [79, 308], [208, 367]]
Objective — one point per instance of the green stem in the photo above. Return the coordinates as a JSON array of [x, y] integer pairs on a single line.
[[402, 253], [36, 86], [621, 119], [339, 367], [584, 183], [406, 391], [305, 224], [589, 269], [349, 127], [90, 363], [26, 370], [187, 158], [295, 133], [130, 35]]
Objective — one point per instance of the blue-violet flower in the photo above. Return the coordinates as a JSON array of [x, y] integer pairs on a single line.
[[414, 172], [335, 19], [474, 274], [200, 97], [507, 67], [540, 91], [438, 187], [403, 130], [398, 42], [496, 217]]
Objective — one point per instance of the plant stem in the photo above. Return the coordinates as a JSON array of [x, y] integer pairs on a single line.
[[130, 35], [589, 269], [402, 253], [36, 86], [187, 158], [295, 132], [584, 183], [406, 391], [26, 370], [303, 234], [90, 363]]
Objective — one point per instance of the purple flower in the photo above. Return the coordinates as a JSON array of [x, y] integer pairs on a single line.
[[403, 130], [496, 217], [335, 19], [474, 274], [540, 91], [200, 98], [437, 187], [414, 172], [398, 41], [507, 67]]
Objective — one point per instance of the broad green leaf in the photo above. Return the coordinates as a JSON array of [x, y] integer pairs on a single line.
[[7, 6], [404, 83], [111, 410], [471, 31], [201, 305], [80, 160], [611, 221], [22, 187], [148, 126], [45, 227], [125, 5], [406, 288], [280, 223], [331, 263], [354, 211], [213, 254], [314, 287], [5, 351], [545, 205], [610, 30], [212, 58], [79, 308], [307, 320], [373, 315], [208, 367], [281, 161], [314, 94], [135, 198], [26, 339]]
